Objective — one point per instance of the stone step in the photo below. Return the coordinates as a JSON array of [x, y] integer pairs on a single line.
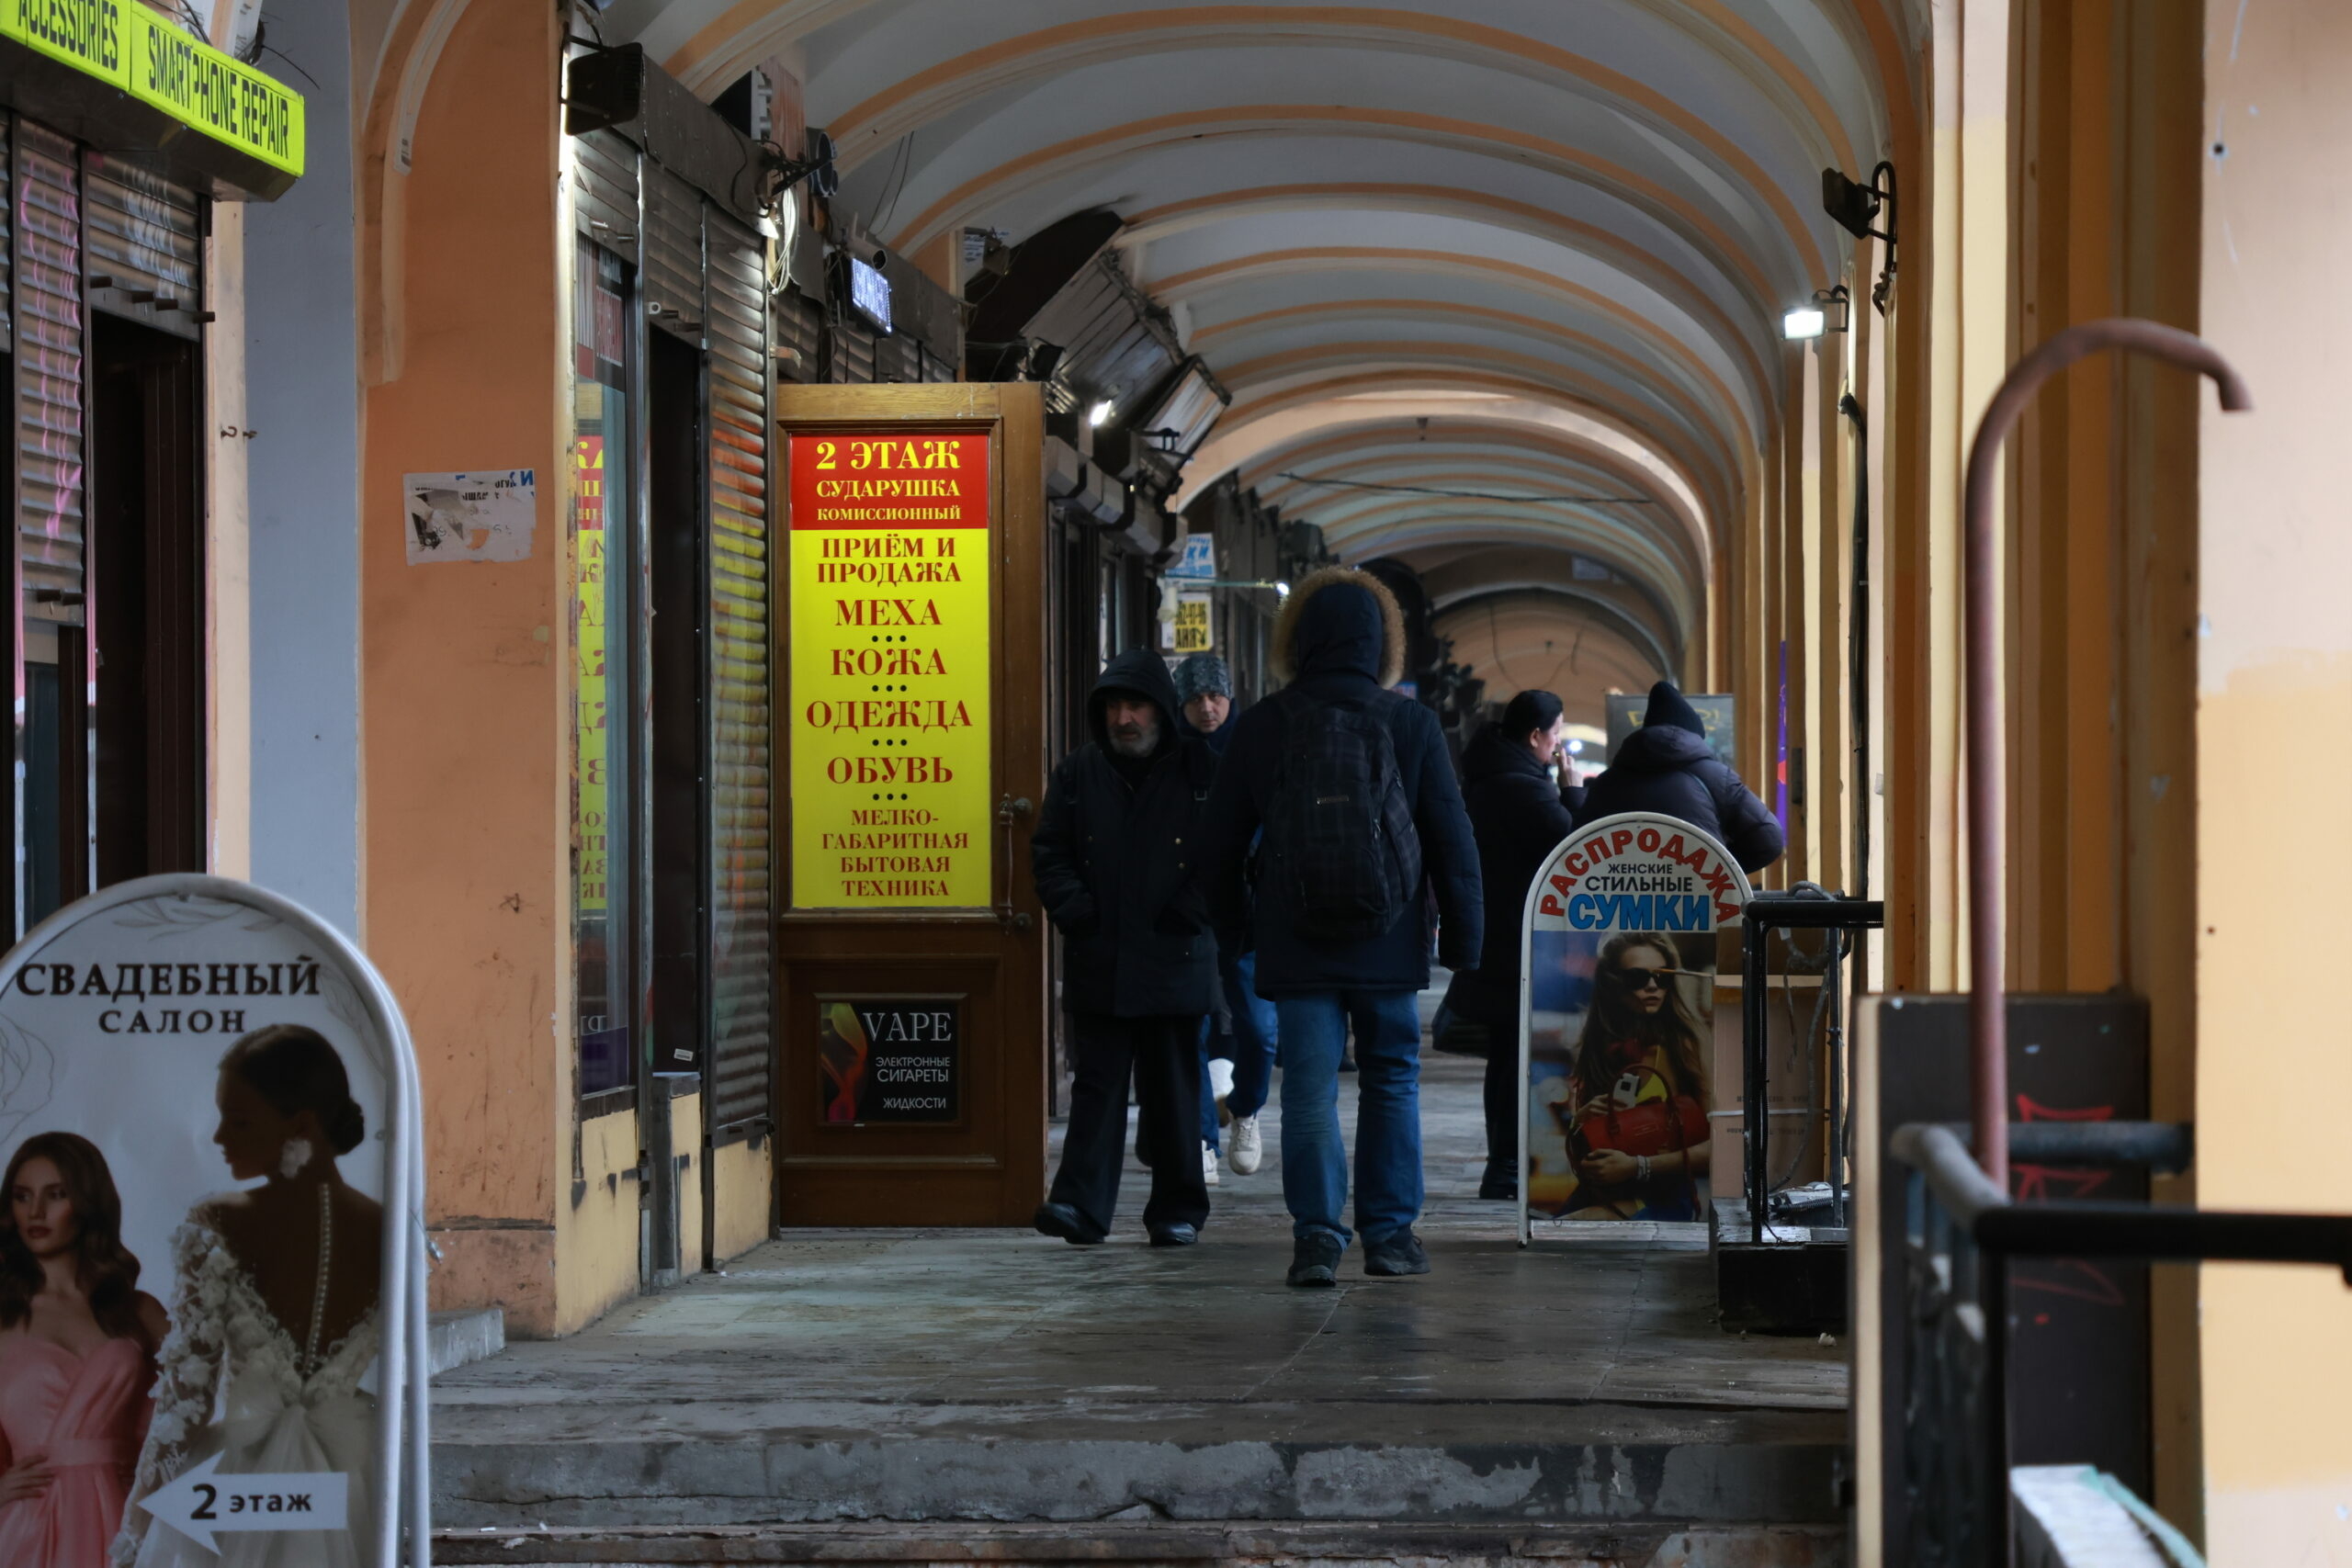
[[455, 1340], [1228, 1541], [1422, 1460]]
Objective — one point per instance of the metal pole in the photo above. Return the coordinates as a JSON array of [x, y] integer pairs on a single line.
[[1757, 1112], [1987, 851]]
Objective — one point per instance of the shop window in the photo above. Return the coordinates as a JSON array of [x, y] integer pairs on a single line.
[[603, 555]]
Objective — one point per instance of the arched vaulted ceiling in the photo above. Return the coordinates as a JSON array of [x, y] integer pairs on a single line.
[[1516, 247]]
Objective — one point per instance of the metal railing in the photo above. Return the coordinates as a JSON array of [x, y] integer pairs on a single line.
[[1987, 733], [1961, 1232]]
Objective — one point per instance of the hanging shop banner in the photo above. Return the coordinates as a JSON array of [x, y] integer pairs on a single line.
[[1617, 960], [209, 1103], [1197, 558], [890, 1059], [1192, 626], [891, 662]]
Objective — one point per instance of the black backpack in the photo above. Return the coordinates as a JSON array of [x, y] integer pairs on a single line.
[[1338, 829]]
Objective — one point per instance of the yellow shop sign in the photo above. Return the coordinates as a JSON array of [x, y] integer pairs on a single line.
[[215, 93], [127, 46], [90, 35]]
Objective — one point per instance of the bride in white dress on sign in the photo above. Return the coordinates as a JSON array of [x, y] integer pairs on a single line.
[[273, 1317]]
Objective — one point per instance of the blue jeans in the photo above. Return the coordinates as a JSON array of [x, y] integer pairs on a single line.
[[1388, 1112], [1250, 1046]]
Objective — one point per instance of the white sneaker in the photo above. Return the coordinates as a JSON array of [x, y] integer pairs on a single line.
[[1220, 1077], [1244, 1146], [1208, 1163]]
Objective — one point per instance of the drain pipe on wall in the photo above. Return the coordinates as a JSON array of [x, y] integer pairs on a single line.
[[1858, 681]]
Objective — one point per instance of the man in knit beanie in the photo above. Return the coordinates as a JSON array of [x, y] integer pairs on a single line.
[[1204, 689], [1239, 1067]]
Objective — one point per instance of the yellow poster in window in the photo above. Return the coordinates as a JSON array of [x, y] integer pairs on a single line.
[[890, 659], [588, 644]]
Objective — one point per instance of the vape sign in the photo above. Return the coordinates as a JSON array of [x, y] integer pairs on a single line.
[[891, 1059]]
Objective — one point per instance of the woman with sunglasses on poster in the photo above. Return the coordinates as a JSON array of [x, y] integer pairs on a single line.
[[77, 1355], [1639, 1132], [275, 1310]]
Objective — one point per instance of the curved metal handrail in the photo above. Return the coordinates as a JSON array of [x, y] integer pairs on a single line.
[[1988, 1021]]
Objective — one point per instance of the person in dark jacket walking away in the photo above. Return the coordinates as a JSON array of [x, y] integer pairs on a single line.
[[1113, 858], [1243, 1055], [1520, 814], [1353, 787], [1667, 767]]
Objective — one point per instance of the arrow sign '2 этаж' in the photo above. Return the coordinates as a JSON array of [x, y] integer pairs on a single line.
[[202, 1503]]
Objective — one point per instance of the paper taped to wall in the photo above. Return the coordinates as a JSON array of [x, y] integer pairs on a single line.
[[475, 516]]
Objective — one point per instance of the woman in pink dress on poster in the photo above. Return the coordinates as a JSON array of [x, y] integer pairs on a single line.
[[77, 1356]]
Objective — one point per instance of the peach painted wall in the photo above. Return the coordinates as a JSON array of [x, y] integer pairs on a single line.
[[465, 888], [2274, 747]]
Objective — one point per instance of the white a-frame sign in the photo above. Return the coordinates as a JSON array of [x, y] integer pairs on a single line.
[[1616, 1021], [208, 1109]]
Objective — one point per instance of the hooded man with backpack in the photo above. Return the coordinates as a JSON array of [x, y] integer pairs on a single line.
[[1354, 791], [1114, 857], [1667, 767]]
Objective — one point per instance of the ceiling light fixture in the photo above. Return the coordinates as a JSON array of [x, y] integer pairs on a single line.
[[1100, 414]]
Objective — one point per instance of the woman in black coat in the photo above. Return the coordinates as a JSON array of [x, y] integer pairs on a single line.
[[1518, 815]]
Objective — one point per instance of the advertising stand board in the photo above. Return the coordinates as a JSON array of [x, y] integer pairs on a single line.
[[1617, 984], [210, 1107]]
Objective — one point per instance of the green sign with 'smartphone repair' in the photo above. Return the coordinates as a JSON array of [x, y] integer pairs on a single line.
[[129, 47]]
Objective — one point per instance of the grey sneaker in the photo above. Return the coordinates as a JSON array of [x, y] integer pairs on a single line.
[[1393, 1255], [1315, 1261]]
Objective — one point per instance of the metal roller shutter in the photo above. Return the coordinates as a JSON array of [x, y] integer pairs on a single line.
[[48, 274], [7, 240], [671, 275], [852, 360], [799, 328], [604, 202], [741, 970], [897, 360], [145, 238]]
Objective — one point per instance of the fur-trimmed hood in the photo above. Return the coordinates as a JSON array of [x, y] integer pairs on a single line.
[[1323, 632]]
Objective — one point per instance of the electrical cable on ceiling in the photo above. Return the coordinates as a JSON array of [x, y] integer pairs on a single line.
[[902, 166], [1467, 494]]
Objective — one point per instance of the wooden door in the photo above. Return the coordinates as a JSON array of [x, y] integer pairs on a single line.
[[910, 763]]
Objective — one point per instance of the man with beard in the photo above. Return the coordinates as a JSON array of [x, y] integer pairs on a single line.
[[1112, 858]]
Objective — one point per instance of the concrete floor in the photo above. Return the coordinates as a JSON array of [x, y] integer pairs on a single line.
[[1003, 1378]]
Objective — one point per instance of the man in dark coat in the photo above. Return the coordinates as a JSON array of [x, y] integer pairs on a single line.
[[1240, 1049], [1667, 767], [1339, 643], [1114, 857], [1520, 814], [1204, 695]]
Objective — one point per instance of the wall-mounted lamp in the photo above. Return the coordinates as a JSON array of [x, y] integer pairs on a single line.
[[1856, 208], [1831, 311]]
